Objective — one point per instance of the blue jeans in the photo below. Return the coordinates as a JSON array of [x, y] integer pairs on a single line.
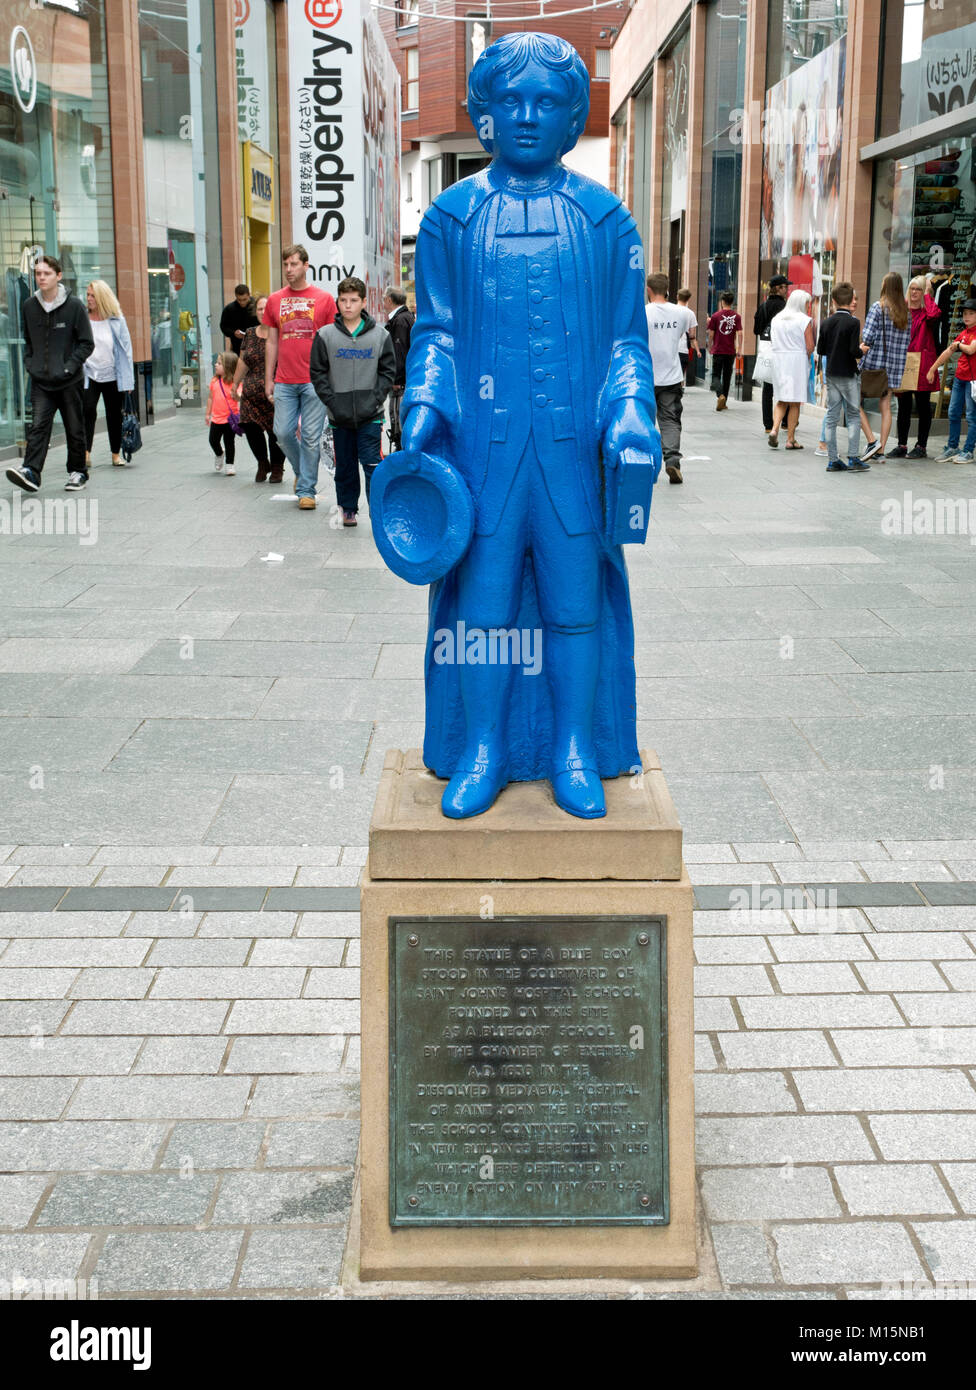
[[962, 403], [352, 448], [843, 390], [292, 403]]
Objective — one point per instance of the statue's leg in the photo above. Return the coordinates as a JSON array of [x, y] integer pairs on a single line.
[[568, 579], [489, 582]]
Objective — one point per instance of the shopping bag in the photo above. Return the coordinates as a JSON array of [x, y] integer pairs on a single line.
[[913, 365], [762, 372]]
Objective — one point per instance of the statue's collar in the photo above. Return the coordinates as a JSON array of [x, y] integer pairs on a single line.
[[526, 187], [462, 200]]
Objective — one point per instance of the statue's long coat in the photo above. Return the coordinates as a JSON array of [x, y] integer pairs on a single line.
[[602, 274]]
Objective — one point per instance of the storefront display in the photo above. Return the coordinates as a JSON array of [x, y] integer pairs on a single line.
[[55, 168], [674, 181], [257, 101], [721, 174], [929, 62], [803, 126], [925, 224], [182, 193]]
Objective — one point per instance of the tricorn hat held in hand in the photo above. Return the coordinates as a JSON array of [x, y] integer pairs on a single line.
[[422, 515]]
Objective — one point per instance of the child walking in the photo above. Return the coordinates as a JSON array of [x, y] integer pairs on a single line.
[[962, 401], [840, 351], [221, 400], [352, 367]]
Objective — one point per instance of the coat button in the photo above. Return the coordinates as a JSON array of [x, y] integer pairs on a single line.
[[535, 270], [537, 321], [541, 400], [536, 296], [538, 349], [539, 374]]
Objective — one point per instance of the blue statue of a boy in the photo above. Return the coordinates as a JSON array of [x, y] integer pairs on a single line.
[[529, 371]]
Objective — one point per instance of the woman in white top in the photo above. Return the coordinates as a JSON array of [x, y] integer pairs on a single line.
[[791, 335], [109, 371]]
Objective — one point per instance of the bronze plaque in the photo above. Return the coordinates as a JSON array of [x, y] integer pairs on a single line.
[[528, 1071]]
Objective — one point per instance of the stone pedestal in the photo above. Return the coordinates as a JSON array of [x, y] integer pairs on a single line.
[[523, 859]]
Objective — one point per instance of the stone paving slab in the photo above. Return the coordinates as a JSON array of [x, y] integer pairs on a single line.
[[191, 1053]]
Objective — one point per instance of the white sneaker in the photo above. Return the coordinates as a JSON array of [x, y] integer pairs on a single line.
[[218, 463], [947, 454], [76, 481], [230, 470], [821, 449], [965, 457]]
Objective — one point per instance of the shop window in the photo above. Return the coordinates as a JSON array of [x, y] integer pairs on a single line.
[[800, 208], [477, 36], [411, 90], [182, 194], [929, 66], [55, 173], [800, 30]]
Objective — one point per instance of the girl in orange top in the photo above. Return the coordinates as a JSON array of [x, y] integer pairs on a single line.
[[221, 400]]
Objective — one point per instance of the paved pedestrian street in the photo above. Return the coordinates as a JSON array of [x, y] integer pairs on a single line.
[[195, 711]]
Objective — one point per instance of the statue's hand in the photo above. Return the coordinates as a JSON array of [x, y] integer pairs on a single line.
[[422, 430], [631, 426]]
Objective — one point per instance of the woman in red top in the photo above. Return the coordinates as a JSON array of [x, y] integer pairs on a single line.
[[924, 316]]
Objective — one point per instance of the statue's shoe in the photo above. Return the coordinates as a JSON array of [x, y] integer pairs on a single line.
[[579, 791], [470, 792]]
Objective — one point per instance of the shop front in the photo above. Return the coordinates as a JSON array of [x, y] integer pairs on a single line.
[[179, 126], [925, 198], [924, 216], [55, 169], [257, 128], [803, 128]]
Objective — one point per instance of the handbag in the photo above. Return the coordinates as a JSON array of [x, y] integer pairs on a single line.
[[913, 366], [874, 380], [762, 372], [233, 416], [131, 430]]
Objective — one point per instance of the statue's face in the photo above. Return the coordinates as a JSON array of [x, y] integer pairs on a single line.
[[531, 114]]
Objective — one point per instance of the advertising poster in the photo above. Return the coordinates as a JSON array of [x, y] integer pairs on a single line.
[[802, 130], [345, 112]]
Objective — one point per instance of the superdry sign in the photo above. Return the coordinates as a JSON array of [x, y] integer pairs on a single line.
[[341, 161]]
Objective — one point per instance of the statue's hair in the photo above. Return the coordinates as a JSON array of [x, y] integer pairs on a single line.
[[513, 52]]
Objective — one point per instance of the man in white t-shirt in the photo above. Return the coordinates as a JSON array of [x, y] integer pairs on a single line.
[[667, 325]]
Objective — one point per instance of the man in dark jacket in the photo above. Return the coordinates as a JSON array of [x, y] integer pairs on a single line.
[[352, 368], [764, 315], [57, 339], [399, 323], [238, 317]]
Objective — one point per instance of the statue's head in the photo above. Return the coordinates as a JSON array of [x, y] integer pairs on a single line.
[[528, 99]]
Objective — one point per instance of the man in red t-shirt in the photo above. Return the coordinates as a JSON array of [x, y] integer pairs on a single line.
[[724, 341], [294, 315]]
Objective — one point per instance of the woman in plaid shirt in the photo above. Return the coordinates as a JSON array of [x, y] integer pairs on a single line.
[[885, 341]]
